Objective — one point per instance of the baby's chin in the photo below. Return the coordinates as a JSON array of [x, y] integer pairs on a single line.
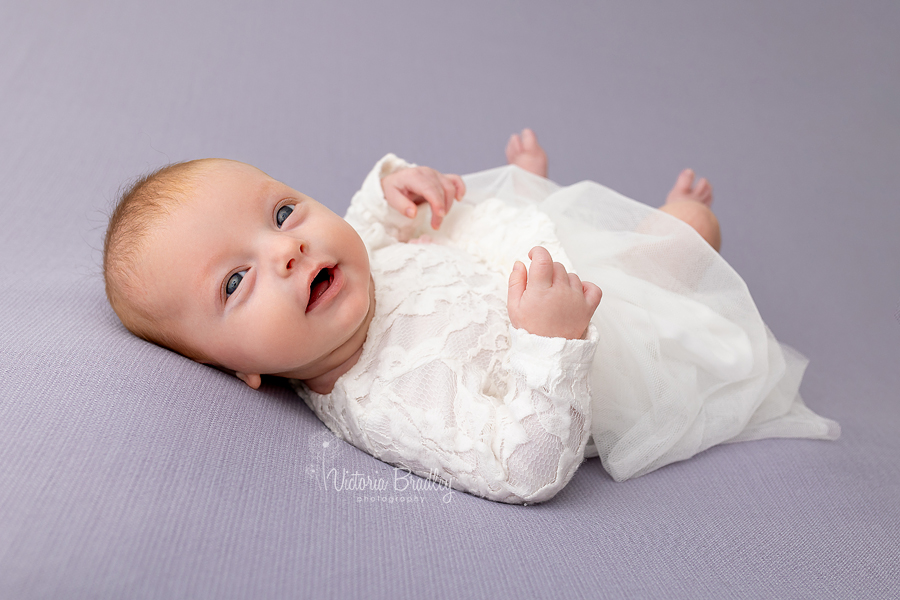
[[345, 352]]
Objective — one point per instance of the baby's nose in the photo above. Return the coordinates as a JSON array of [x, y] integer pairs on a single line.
[[288, 255]]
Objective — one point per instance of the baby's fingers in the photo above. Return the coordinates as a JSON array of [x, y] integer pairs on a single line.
[[560, 276], [517, 281], [449, 193], [459, 186], [397, 200], [591, 292], [454, 189], [433, 193], [592, 295], [541, 271]]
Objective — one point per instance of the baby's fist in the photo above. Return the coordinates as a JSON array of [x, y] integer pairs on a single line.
[[548, 301]]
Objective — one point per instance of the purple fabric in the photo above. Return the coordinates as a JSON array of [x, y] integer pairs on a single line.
[[130, 472]]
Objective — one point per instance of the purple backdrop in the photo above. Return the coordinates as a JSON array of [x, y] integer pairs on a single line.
[[129, 472]]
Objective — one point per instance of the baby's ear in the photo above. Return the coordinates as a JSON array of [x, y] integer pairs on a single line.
[[252, 380]]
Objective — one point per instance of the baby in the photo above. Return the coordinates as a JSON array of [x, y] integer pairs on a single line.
[[433, 347]]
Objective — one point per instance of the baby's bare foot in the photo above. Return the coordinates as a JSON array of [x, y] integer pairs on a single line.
[[685, 189], [524, 151]]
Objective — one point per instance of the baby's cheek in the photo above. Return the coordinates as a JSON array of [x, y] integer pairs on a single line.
[[267, 345]]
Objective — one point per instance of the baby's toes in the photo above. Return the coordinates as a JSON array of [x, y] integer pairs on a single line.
[[523, 150], [529, 141], [684, 182], [513, 147], [703, 191]]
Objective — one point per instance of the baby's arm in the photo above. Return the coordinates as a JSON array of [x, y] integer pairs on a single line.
[[517, 438], [549, 301]]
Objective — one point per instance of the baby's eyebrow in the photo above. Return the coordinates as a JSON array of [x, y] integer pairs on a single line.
[[268, 188]]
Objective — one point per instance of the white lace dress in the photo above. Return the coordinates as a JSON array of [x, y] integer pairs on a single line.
[[677, 358]]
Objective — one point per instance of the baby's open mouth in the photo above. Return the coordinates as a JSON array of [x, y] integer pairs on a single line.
[[320, 284]]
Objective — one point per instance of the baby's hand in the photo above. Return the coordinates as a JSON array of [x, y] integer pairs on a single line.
[[407, 188], [548, 301]]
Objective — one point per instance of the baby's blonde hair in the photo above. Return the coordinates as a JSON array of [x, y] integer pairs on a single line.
[[141, 207]]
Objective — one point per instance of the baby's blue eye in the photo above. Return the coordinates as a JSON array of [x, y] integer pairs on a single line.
[[233, 282], [283, 213]]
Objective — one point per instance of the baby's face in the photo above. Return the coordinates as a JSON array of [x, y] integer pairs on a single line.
[[258, 277]]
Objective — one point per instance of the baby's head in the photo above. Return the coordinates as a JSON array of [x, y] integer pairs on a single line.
[[218, 261]]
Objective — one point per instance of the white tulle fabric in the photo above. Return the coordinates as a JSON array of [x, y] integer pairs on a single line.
[[677, 358]]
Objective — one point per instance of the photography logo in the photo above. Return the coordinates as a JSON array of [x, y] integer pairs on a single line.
[[400, 486]]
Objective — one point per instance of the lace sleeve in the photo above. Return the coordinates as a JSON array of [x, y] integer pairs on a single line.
[[550, 400], [369, 214], [521, 444], [516, 438]]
